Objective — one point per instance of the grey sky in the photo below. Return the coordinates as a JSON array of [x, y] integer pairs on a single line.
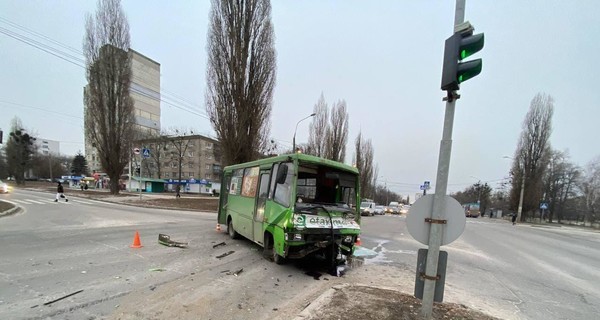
[[383, 57]]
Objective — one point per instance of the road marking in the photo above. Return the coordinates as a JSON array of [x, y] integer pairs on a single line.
[[21, 201], [35, 201]]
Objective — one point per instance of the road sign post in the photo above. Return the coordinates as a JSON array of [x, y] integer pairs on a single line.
[[438, 213]]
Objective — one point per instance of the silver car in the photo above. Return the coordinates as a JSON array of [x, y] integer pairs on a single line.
[[4, 188]]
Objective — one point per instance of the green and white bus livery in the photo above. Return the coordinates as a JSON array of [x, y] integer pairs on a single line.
[[293, 205]]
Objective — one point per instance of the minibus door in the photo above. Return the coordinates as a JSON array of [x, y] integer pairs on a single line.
[[259, 212]]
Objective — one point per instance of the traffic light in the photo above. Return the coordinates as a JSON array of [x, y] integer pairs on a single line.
[[458, 47]]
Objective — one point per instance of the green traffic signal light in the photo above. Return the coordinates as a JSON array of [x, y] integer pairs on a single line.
[[458, 47], [468, 70], [470, 45]]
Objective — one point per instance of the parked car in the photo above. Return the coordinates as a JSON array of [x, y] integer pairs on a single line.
[[367, 208], [380, 210], [4, 188]]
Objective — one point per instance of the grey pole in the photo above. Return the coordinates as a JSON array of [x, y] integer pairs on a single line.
[[140, 182], [521, 196], [441, 185]]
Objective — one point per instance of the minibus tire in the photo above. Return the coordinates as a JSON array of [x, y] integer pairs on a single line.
[[232, 233]]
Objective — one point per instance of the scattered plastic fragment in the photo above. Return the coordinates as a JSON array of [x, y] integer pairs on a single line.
[[238, 272], [165, 240], [225, 254], [157, 269], [63, 297], [219, 244]]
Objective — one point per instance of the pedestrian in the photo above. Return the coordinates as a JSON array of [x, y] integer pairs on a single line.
[[60, 193], [514, 218]]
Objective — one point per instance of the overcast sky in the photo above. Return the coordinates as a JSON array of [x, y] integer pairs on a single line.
[[384, 58]]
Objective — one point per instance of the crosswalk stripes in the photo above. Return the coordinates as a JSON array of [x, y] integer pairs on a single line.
[[50, 200]]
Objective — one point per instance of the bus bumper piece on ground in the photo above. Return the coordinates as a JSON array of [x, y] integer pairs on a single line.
[[166, 241]]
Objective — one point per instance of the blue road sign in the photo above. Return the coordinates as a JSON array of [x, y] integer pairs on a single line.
[[543, 205], [146, 153]]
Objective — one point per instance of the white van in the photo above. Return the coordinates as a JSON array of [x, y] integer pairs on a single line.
[[367, 208]]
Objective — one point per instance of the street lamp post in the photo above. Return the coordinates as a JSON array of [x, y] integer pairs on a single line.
[[294, 139], [50, 165], [520, 209]]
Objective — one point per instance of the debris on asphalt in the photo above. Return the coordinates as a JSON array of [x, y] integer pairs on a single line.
[[152, 287], [157, 269], [165, 240], [219, 244], [63, 297], [225, 271], [225, 254], [238, 272]]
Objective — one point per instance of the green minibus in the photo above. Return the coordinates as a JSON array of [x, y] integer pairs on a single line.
[[293, 205]]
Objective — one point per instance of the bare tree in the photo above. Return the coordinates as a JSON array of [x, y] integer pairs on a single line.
[[109, 118], [560, 179], [318, 129], [180, 142], [157, 144], [337, 133], [363, 160], [590, 187], [532, 153], [240, 77]]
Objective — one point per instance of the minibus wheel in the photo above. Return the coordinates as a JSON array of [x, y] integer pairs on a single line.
[[232, 233]]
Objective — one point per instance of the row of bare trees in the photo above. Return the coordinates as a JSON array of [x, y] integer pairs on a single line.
[[548, 175]]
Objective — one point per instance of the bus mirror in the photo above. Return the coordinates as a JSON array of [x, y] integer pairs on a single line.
[[281, 174]]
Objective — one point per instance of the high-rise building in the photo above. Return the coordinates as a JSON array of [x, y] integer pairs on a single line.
[[47, 146], [145, 93]]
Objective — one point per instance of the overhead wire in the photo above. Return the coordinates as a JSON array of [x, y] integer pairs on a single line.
[[80, 62]]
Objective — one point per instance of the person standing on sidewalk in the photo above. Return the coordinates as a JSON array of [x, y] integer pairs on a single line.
[[60, 193]]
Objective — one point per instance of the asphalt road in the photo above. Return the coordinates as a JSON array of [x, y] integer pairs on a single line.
[[512, 272], [51, 250], [54, 249]]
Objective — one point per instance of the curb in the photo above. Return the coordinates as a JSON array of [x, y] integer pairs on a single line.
[[11, 211], [326, 297], [319, 302]]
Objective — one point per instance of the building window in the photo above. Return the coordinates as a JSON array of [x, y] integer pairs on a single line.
[[190, 153], [191, 175], [166, 174], [208, 156], [175, 174], [190, 165], [207, 176], [209, 145], [207, 167]]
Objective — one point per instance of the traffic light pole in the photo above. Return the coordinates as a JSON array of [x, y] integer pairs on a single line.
[[441, 185]]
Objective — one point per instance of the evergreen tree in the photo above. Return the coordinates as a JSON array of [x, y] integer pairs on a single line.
[[79, 166]]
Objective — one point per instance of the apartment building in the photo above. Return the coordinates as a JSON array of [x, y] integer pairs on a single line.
[[145, 93], [189, 157], [47, 146]]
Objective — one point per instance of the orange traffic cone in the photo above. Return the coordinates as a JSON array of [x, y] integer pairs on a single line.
[[218, 227], [358, 242], [136, 241]]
